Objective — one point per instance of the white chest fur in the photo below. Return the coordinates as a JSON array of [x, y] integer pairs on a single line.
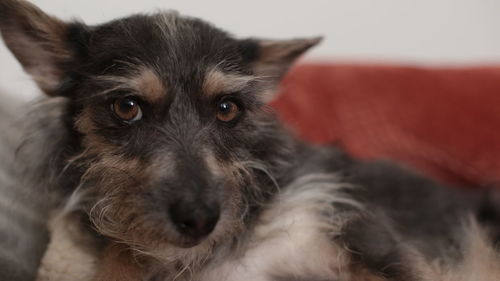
[[292, 237]]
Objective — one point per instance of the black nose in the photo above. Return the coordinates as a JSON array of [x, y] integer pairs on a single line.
[[194, 220]]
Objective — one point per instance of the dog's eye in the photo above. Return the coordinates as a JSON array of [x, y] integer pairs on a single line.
[[127, 109], [227, 111]]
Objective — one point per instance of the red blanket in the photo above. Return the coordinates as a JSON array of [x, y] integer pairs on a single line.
[[444, 122]]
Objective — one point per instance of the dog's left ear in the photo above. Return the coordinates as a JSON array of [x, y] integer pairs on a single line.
[[271, 59], [39, 41]]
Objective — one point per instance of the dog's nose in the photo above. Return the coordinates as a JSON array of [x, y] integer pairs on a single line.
[[194, 220]]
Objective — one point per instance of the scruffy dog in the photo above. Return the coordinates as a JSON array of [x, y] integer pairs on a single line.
[[164, 163]]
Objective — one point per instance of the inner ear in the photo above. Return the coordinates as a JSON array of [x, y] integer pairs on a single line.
[[40, 42]]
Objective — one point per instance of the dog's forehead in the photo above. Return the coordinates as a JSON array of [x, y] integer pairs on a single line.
[[156, 52], [165, 40]]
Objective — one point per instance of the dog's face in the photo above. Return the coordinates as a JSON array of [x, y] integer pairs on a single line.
[[166, 119]]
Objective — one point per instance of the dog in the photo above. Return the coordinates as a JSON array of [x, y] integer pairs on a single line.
[[161, 160], [22, 216]]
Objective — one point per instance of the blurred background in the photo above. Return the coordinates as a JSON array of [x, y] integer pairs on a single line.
[[428, 32]]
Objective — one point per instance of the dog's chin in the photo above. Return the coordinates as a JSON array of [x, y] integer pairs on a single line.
[[185, 252], [178, 240]]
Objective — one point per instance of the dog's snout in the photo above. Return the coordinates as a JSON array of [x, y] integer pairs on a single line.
[[194, 220]]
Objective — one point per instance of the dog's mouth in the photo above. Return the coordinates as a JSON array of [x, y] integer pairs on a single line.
[[190, 243], [189, 240], [154, 229]]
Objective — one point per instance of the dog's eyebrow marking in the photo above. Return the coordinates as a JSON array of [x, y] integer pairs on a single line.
[[217, 82], [144, 82], [149, 85]]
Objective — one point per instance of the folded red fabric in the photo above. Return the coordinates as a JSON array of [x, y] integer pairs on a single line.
[[443, 121]]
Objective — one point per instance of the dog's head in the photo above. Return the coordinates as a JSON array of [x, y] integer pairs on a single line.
[[165, 119]]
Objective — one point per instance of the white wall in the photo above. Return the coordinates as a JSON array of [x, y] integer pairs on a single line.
[[415, 31]]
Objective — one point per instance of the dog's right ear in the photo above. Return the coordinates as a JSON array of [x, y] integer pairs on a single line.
[[41, 43]]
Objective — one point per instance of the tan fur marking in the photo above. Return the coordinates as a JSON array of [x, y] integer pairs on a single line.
[[142, 81], [83, 122], [118, 264], [95, 143], [217, 82], [149, 85]]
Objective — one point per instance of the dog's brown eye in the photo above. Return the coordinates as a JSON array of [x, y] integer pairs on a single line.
[[227, 111], [127, 109]]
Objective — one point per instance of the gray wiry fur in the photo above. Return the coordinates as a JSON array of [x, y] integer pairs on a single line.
[[202, 182], [22, 220]]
